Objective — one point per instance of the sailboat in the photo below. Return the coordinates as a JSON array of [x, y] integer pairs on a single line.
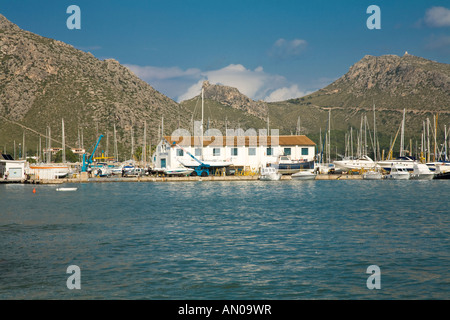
[[402, 161], [191, 163]]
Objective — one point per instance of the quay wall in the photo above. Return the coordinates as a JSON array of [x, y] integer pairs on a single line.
[[181, 179]]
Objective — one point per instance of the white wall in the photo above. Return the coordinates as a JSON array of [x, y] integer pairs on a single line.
[[164, 150]]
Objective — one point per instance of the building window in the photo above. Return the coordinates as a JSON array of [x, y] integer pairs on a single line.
[[252, 151], [216, 152], [234, 151], [180, 153], [198, 152], [287, 151], [305, 151], [270, 151]]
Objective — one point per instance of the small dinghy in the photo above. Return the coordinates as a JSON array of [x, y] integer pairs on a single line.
[[66, 189]]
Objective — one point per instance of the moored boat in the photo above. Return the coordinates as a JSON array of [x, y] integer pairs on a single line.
[[304, 175], [66, 189], [361, 163], [269, 174], [398, 173], [401, 162], [372, 175], [421, 172]]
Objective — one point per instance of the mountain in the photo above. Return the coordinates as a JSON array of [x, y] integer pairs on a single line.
[[389, 82], [43, 81], [226, 107], [392, 82]]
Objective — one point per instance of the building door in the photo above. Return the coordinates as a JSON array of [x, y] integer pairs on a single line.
[[163, 163]]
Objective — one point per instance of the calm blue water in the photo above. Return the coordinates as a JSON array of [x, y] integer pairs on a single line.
[[227, 240]]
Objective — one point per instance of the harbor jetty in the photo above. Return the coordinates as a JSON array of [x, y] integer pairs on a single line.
[[181, 179]]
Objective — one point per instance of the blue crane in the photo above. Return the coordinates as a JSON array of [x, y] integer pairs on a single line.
[[89, 161], [202, 169]]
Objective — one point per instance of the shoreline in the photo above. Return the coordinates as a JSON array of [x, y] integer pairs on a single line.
[[178, 179]]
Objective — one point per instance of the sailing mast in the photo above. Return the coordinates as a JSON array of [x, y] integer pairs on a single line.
[[428, 140], [374, 135], [63, 144], [327, 138], [402, 138], [201, 126], [435, 137], [144, 148], [116, 155]]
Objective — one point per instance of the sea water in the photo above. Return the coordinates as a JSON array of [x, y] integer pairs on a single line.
[[274, 240]]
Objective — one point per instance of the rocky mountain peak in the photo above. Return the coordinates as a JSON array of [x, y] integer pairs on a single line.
[[5, 24], [232, 97]]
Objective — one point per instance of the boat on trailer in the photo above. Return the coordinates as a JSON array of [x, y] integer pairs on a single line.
[[285, 165]]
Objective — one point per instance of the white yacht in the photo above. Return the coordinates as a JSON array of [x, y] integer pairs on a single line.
[[439, 167], [179, 171], [398, 173], [372, 175], [363, 162], [269, 174], [401, 162], [421, 172], [304, 175]]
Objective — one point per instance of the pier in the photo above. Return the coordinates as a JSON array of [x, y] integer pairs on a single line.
[[182, 179]]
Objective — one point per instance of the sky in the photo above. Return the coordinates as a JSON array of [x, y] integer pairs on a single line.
[[269, 50]]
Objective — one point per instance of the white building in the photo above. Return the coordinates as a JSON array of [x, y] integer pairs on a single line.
[[240, 151], [48, 171], [12, 170]]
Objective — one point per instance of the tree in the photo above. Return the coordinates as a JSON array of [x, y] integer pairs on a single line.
[[70, 156]]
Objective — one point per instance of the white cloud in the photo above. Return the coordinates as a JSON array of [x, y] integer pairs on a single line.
[[283, 49], [180, 84], [150, 73], [171, 81], [192, 91], [286, 93], [256, 84], [437, 17]]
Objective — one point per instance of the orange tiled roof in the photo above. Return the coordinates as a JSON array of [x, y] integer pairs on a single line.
[[240, 141]]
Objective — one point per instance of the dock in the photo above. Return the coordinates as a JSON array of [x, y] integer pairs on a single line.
[[183, 179]]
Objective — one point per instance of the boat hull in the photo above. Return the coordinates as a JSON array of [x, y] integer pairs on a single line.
[[270, 177], [185, 172], [398, 176], [293, 167], [422, 176], [66, 189], [303, 176], [372, 176], [445, 175]]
